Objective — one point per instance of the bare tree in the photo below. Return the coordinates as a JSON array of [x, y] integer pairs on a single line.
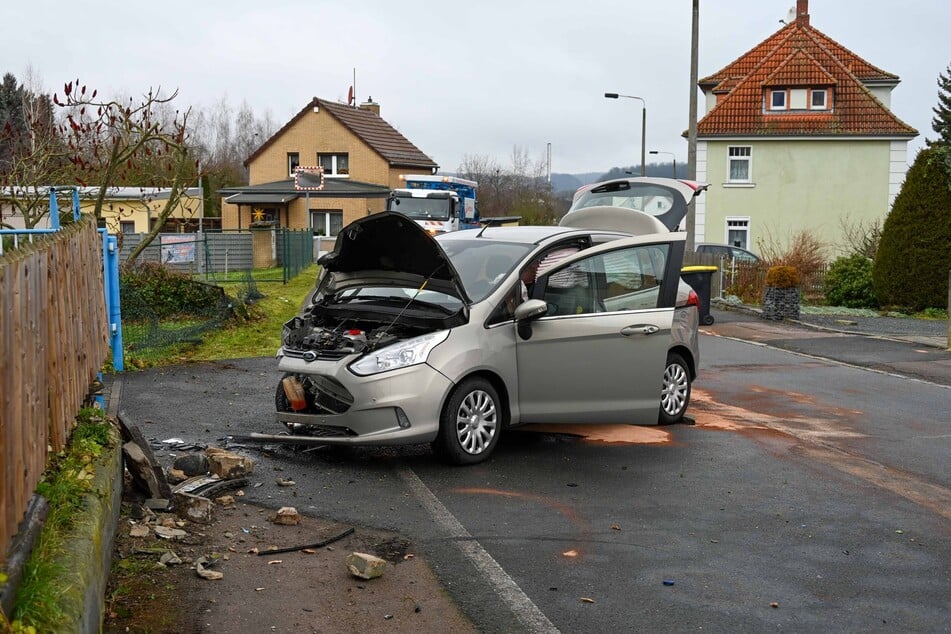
[[126, 142], [32, 154], [518, 190]]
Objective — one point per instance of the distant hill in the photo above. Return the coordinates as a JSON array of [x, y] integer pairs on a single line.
[[571, 182]]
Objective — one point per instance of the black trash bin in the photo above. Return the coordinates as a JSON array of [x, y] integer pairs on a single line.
[[701, 279]]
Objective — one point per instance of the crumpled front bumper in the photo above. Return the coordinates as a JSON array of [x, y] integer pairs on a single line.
[[397, 407]]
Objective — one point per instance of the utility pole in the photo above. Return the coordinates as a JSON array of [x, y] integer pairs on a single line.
[[692, 125]]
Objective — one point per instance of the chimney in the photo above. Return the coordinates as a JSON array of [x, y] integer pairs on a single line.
[[371, 105], [802, 12]]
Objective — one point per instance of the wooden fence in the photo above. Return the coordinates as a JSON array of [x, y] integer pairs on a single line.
[[53, 341]]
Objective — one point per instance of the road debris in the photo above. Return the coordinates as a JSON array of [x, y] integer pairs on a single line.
[[365, 566], [169, 533], [308, 548], [204, 573], [587, 600], [285, 482], [668, 582], [139, 530], [286, 516]]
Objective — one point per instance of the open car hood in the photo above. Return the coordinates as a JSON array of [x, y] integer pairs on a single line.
[[388, 249], [664, 198]]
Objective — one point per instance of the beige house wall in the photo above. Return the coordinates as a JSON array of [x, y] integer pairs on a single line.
[[818, 186], [317, 133]]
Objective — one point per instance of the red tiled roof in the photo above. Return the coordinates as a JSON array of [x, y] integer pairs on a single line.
[[798, 55], [383, 138], [800, 69]]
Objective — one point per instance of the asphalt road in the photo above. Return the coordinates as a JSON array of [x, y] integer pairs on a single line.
[[809, 494]]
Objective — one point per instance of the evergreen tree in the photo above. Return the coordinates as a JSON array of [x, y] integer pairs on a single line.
[[913, 259], [941, 123]]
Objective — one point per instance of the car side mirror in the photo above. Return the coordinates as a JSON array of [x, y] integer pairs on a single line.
[[525, 313]]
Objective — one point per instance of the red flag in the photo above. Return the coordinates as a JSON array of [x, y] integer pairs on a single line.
[[350, 96]]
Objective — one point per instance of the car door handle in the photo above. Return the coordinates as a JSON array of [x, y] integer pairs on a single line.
[[640, 329]]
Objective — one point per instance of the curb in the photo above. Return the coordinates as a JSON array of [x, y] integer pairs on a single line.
[[755, 312]]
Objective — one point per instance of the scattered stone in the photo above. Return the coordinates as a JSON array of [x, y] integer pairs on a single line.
[[169, 533], [192, 464], [774, 605], [286, 516], [175, 476], [170, 559], [204, 573], [225, 500], [282, 482], [143, 475], [157, 504], [228, 465], [365, 566], [139, 530], [229, 535], [193, 507]]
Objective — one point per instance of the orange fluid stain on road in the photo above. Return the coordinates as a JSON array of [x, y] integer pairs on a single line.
[[608, 434]]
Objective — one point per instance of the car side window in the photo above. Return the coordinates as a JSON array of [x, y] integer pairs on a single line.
[[625, 279]]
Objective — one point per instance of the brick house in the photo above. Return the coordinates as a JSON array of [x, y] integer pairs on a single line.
[[361, 156], [797, 135]]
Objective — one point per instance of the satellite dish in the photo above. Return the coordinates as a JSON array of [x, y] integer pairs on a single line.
[[791, 16]]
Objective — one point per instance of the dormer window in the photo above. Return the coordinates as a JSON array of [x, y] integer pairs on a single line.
[[797, 99], [777, 100]]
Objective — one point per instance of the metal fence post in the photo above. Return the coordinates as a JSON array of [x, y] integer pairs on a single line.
[[948, 342], [110, 274]]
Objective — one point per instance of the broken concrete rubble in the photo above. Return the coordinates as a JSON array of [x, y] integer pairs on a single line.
[[286, 516], [365, 566], [193, 507], [228, 465]]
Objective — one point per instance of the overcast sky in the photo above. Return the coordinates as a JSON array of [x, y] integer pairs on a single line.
[[457, 79]]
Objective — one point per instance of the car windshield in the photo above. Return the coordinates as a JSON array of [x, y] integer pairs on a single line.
[[645, 197], [422, 208], [483, 264]]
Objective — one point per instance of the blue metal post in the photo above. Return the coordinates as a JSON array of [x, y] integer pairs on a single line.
[[110, 271], [54, 210], [75, 204]]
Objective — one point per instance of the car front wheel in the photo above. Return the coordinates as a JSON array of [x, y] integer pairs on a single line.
[[470, 423], [675, 393]]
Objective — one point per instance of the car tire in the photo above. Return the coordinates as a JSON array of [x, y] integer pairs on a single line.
[[470, 423], [675, 393], [708, 320]]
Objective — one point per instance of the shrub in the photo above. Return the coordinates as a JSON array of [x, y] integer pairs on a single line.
[[165, 292], [913, 259], [782, 277], [849, 283]]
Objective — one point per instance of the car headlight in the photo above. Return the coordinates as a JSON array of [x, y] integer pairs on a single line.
[[399, 355]]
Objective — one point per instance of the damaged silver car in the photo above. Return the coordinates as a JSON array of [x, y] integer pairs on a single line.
[[452, 339]]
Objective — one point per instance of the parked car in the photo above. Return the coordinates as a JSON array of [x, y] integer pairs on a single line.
[[729, 252], [410, 338]]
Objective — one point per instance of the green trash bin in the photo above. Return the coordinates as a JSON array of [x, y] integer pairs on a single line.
[[701, 279]]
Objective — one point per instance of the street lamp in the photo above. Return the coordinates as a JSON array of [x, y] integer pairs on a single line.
[[614, 95], [672, 156]]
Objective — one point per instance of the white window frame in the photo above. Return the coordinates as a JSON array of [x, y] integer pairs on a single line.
[[825, 99], [737, 223], [771, 105], [743, 153], [293, 161], [332, 170], [327, 214]]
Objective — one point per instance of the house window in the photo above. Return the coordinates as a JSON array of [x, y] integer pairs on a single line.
[[818, 101], [797, 99], [334, 164], [326, 222], [293, 160], [738, 232], [127, 226], [741, 156], [777, 100]]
